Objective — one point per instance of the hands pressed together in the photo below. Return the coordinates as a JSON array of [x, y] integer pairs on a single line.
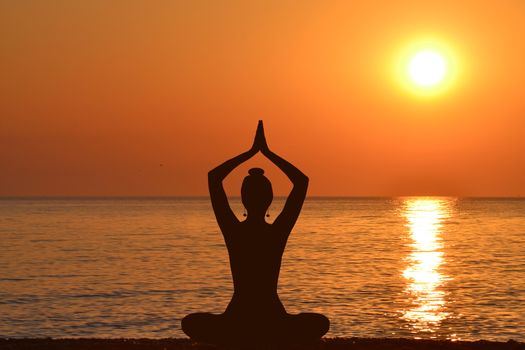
[[259, 142]]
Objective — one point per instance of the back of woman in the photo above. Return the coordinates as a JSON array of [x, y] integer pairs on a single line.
[[255, 248]]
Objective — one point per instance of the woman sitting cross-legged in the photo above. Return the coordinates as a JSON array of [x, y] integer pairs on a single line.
[[255, 248]]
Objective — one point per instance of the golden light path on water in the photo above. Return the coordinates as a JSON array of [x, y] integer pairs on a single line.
[[424, 280]]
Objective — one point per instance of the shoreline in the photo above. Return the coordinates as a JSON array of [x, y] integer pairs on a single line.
[[353, 343]]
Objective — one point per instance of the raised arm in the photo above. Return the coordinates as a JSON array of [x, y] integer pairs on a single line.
[[225, 216], [286, 220]]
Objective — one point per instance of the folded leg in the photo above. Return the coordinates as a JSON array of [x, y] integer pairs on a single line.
[[205, 327], [306, 327], [222, 330]]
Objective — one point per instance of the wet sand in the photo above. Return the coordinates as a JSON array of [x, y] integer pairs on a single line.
[[186, 344]]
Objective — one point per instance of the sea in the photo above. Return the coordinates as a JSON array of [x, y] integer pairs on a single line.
[[416, 267]]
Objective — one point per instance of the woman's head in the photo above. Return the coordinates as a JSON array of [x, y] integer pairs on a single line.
[[256, 192]]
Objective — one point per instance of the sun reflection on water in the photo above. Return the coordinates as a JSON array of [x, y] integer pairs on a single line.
[[424, 280]]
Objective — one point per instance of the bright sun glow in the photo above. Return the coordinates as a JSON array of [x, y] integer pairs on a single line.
[[427, 68]]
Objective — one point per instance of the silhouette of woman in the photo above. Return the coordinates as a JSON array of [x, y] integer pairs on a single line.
[[255, 248]]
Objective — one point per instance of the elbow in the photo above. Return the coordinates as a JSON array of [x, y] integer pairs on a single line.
[[212, 175], [302, 181], [305, 179], [212, 181]]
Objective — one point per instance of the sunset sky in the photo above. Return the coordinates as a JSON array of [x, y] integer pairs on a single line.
[[132, 98]]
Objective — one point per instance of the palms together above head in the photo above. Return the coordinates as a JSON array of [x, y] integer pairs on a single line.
[[225, 216], [259, 142]]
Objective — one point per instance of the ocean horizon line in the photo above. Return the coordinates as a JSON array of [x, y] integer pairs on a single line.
[[190, 197]]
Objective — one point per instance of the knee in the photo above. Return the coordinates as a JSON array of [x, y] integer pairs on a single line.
[[205, 327], [190, 323], [318, 324], [324, 324], [186, 323]]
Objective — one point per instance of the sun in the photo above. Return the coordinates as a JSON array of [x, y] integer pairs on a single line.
[[427, 68]]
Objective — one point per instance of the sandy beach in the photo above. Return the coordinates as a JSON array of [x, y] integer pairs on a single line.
[[325, 344]]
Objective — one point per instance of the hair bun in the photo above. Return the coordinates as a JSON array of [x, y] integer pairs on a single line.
[[256, 172]]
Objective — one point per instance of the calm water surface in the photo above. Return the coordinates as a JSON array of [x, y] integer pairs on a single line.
[[411, 267]]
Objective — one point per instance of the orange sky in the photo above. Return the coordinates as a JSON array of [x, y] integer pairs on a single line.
[[95, 95]]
